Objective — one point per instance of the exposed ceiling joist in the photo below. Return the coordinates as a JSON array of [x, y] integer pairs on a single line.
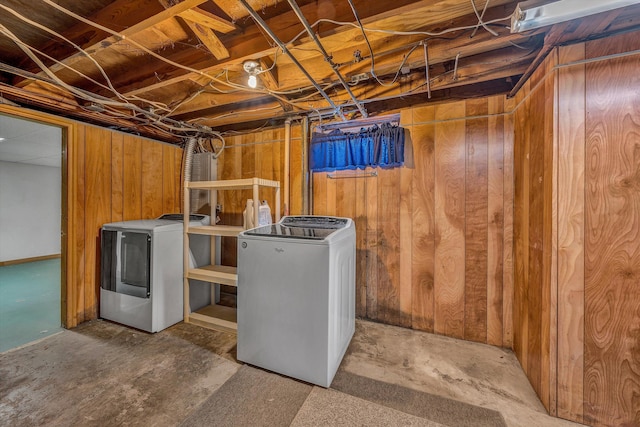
[[208, 20], [181, 64]]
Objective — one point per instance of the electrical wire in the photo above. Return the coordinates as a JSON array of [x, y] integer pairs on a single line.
[[224, 81], [399, 33], [109, 85], [480, 17], [143, 48]]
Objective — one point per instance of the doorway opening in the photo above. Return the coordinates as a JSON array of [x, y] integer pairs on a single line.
[[30, 231]]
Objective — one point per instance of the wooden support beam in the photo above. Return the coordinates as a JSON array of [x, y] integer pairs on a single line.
[[208, 20], [269, 75], [208, 38]]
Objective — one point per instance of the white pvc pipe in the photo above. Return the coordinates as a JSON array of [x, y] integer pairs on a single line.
[[287, 171]]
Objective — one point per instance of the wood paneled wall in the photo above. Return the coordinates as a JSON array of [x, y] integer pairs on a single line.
[[258, 154], [608, 243], [577, 250], [434, 237], [107, 176], [111, 177], [533, 179]]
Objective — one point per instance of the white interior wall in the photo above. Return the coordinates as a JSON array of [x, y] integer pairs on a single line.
[[30, 210]]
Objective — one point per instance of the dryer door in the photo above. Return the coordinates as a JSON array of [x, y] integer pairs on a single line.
[[126, 262]]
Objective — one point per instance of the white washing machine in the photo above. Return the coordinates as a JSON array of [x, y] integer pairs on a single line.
[[296, 296], [141, 282]]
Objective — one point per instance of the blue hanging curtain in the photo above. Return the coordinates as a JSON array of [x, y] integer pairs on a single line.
[[381, 146]]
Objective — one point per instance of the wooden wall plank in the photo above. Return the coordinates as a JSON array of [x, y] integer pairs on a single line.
[[361, 246], [508, 252], [320, 193], [78, 220], [278, 160], [258, 153], [388, 287], [151, 179], [295, 193], [346, 196], [117, 177], [423, 228], [132, 178], [405, 282], [495, 220], [97, 209], [372, 247], [169, 176], [449, 207], [612, 244], [548, 301], [267, 172], [521, 230], [536, 234], [178, 159], [331, 196], [475, 225], [571, 158]]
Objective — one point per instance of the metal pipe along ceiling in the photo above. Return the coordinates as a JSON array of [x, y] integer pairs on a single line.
[[327, 58], [275, 38]]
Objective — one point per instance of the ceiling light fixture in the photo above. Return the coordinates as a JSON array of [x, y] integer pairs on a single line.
[[530, 14], [252, 68]]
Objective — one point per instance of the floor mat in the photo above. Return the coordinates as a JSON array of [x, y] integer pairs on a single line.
[[435, 408], [251, 398]]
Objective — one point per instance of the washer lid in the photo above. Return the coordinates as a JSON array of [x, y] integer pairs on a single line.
[[309, 221], [281, 230]]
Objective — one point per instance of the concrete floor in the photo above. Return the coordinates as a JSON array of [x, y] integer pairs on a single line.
[[105, 374]]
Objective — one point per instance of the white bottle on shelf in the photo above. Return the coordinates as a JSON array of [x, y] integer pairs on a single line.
[[248, 215], [264, 214]]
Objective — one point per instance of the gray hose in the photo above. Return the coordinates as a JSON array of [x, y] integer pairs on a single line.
[[188, 158], [187, 163]]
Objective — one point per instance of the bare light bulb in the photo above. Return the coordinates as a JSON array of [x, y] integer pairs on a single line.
[[252, 82]]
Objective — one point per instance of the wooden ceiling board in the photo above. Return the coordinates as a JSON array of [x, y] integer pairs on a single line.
[[31, 35], [267, 8], [118, 15], [205, 42], [295, 79], [253, 44]]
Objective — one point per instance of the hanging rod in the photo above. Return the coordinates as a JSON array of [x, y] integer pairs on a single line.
[[360, 123], [353, 175]]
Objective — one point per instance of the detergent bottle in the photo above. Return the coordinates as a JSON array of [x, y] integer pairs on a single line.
[[264, 214], [248, 215]]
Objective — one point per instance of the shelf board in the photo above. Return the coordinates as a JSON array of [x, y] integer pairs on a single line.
[[222, 274], [216, 230], [232, 184], [215, 316]]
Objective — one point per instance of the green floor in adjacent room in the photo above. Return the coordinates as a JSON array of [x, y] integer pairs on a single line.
[[29, 302]]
